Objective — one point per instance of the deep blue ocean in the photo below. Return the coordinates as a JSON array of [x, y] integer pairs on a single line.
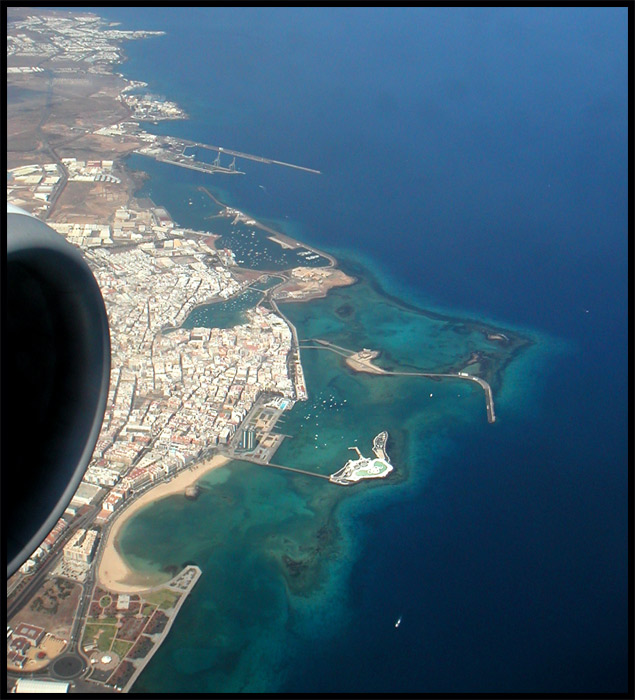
[[475, 159]]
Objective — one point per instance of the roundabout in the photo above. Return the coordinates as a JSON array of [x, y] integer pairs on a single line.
[[67, 667]]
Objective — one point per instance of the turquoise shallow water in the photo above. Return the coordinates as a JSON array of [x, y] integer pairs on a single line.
[[234, 531], [475, 162], [277, 549], [223, 314]]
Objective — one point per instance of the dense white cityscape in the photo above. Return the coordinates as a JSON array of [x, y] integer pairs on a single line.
[[174, 392], [82, 38], [178, 395]]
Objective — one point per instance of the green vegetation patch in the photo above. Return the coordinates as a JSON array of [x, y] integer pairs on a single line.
[[65, 588], [147, 610], [122, 674], [105, 638], [99, 634], [46, 604], [105, 601], [163, 598], [120, 647], [101, 621], [90, 634], [141, 647]]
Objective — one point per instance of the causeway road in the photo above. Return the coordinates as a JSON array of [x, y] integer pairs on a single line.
[[366, 365], [245, 458]]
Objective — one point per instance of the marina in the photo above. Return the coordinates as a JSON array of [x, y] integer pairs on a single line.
[[473, 257]]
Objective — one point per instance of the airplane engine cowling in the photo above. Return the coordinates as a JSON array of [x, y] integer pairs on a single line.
[[55, 376]]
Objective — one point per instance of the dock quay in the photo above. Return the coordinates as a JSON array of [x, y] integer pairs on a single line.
[[255, 442], [255, 439], [200, 166], [281, 238], [169, 149], [246, 156]]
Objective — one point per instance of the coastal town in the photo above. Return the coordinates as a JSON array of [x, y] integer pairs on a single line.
[[301, 394], [182, 400], [204, 362]]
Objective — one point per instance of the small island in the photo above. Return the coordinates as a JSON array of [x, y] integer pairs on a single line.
[[365, 467]]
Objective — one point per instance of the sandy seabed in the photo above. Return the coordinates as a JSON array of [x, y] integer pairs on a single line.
[[113, 573]]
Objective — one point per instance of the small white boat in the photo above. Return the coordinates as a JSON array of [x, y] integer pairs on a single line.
[[398, 621]]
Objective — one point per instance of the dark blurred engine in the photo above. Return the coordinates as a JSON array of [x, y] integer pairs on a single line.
[[55, 375]]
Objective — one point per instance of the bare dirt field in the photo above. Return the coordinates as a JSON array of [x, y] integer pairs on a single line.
[[94, 146], [89, 202], [52, 607], [61, 109]]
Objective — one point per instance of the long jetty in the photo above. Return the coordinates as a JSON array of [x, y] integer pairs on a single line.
[[372, 368], [247, 156], [199, 166]]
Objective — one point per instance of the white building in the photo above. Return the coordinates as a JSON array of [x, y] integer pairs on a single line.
[[81, 546], [30, 685], [85, 494]]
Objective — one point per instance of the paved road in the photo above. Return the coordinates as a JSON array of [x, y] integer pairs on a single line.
[[46, 145]]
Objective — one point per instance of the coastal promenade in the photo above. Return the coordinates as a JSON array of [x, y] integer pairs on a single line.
[[296, 362], [183, 582], [362, 361]]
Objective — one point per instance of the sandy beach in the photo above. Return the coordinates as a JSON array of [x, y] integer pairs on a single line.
[[113, 573]]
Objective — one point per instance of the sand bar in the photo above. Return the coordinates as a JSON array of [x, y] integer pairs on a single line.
[[113, 572]]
